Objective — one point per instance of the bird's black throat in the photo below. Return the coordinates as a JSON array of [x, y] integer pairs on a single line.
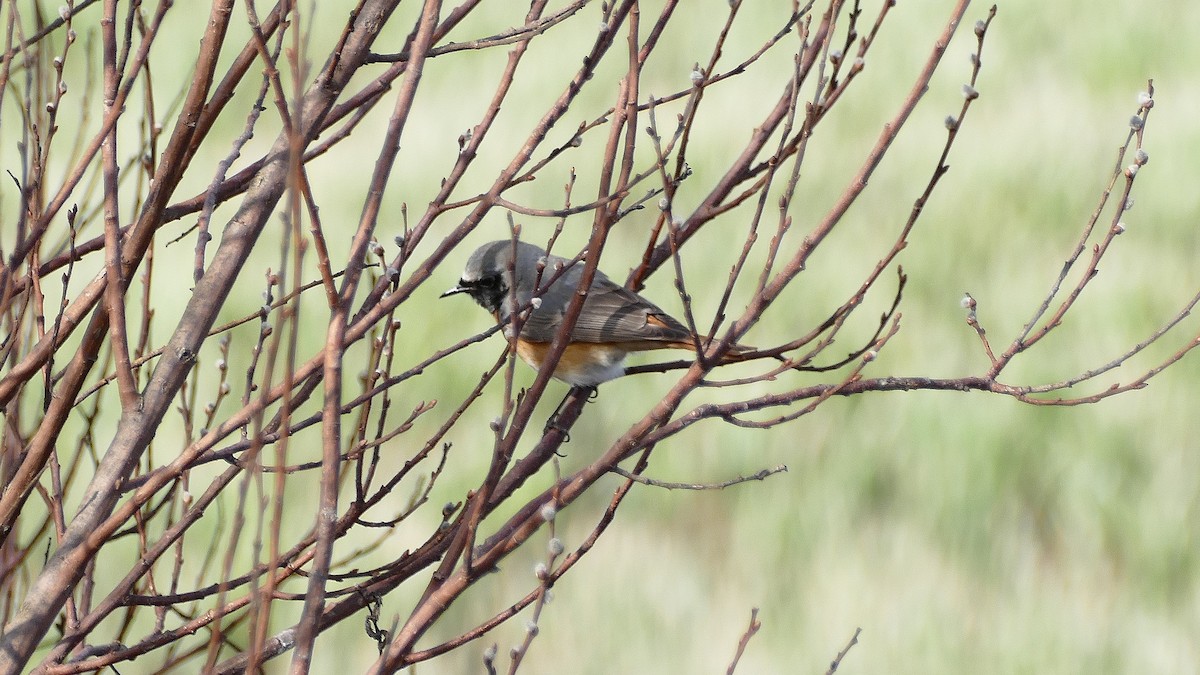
[[488, 291]]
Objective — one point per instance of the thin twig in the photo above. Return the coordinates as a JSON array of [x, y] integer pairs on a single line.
[[751, 630], [669, 485]]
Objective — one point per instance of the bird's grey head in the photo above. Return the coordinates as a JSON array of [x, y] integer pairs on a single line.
[[489, 276]]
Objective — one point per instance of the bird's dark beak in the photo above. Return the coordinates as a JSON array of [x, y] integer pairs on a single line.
[[460, 288]]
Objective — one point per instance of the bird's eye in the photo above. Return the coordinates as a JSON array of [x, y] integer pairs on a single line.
[[489, 282]]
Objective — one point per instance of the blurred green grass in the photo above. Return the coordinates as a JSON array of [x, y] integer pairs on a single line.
[[961, 532]]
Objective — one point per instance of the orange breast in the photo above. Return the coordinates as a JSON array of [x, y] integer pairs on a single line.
[[583, 363], [587, 364]]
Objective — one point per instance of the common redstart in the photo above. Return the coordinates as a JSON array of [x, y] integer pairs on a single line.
[[613, 322]]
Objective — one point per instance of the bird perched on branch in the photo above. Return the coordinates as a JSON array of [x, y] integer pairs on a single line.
[[614, 320]]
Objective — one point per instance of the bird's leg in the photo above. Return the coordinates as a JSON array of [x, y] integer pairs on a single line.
[[552, 420]]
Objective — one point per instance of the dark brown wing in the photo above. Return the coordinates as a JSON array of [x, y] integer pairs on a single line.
[[611, 313], [614, 313]]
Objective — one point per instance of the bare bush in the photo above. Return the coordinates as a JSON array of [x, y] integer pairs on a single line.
[[119, 171]]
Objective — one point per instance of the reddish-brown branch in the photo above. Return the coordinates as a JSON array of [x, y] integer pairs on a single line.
[[326, 518], [114, 291], [751, 630]]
